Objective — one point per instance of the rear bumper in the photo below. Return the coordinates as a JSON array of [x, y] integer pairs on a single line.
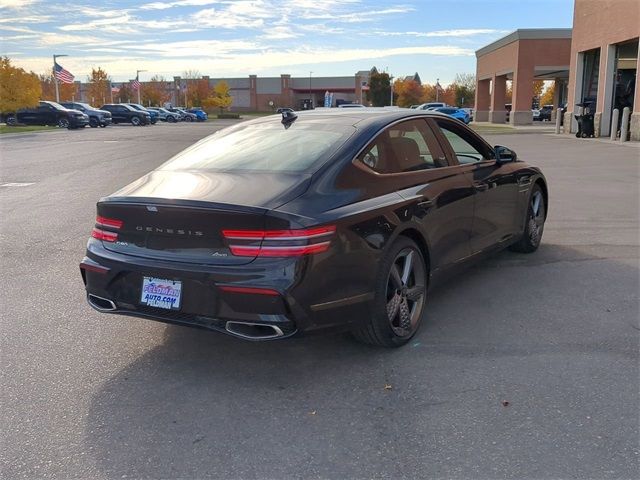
[[113, 284]]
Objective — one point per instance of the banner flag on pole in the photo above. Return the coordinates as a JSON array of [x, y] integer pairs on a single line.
[[61, 74]]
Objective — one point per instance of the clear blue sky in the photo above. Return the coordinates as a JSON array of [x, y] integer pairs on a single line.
[[229, 38]]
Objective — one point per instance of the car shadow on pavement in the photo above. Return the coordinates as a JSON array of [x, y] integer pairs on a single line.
[[515, 328]]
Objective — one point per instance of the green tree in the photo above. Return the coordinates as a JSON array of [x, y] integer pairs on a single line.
[[465, 89], [99, 86], [379, 88], [18, 88]]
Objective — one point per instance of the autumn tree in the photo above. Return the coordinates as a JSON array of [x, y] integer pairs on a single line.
[[18, 88], [154, 92], [99, 85], [547, 97], [221, 97], [465, 89], [125, 94], [428, 93], [448, 95], [379, 93], [67, 91], [198, 91], [409, 92]]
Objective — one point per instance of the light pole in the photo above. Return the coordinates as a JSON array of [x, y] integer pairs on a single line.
[[310, 98], [138, 80], [391, 89], [437, 89], [55, 79]]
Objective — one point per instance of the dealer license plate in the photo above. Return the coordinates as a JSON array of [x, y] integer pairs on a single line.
[[161, 293]]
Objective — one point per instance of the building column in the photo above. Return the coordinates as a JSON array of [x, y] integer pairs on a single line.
[[285, 90], [483, 100], [253, 93], [634, 128], [498, 114], [557, 93], [522, 96]]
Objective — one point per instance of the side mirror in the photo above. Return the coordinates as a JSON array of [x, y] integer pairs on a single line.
[[504, 154]]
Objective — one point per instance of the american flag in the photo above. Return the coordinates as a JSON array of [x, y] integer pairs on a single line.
[[135, 84], [61, 74]]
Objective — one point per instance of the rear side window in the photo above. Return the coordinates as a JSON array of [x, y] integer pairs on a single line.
[[404, 147], [466, 148], [264, 147]]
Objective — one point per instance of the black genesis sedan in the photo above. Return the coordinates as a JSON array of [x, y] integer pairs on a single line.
[[304, 222]]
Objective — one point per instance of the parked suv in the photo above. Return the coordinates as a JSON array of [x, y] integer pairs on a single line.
[[123, 113], [97, 117], [184, 115], [50, 113], [166, 115], [431, 105], [140, 108], [201, 114]]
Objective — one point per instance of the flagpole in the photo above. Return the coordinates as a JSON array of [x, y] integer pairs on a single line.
[[138, 80], [55, 79]]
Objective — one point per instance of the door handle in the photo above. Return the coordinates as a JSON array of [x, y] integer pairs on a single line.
[[481, 187], [425, 203]]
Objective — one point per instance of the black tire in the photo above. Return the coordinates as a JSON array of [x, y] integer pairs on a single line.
[[135, 121], [93, 122], [12, 121], [63, 123], [171, 119], [399, 297], [102, 125], [534, 224], [188, 119]]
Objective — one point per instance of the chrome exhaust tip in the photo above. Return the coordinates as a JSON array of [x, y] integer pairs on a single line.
[[253, 331], [101, 304]]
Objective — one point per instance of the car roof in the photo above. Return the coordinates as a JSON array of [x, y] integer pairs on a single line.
[[357, 117]]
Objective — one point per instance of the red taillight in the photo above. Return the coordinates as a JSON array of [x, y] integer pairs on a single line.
[[249, 290], [104, 235], [108, 222], [279, 243]]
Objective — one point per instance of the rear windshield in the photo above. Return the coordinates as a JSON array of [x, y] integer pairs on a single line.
[[264, 147]]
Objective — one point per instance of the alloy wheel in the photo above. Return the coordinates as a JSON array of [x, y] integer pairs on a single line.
[[405, 292], [536, 218], [63, 123]]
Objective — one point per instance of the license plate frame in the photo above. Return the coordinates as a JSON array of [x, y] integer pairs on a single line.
[[161, 293]]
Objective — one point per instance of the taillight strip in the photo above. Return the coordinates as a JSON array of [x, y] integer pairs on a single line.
[[280, 251], [104, 235], [108, 222], [301, 234]]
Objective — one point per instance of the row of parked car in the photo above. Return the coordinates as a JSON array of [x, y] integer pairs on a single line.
[[465, 115], [79, 115]]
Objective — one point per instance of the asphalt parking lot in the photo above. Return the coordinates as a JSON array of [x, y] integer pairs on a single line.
[[526, 368]]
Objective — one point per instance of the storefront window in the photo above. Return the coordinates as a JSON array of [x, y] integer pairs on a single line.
[[626, 70], [591, 71]]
